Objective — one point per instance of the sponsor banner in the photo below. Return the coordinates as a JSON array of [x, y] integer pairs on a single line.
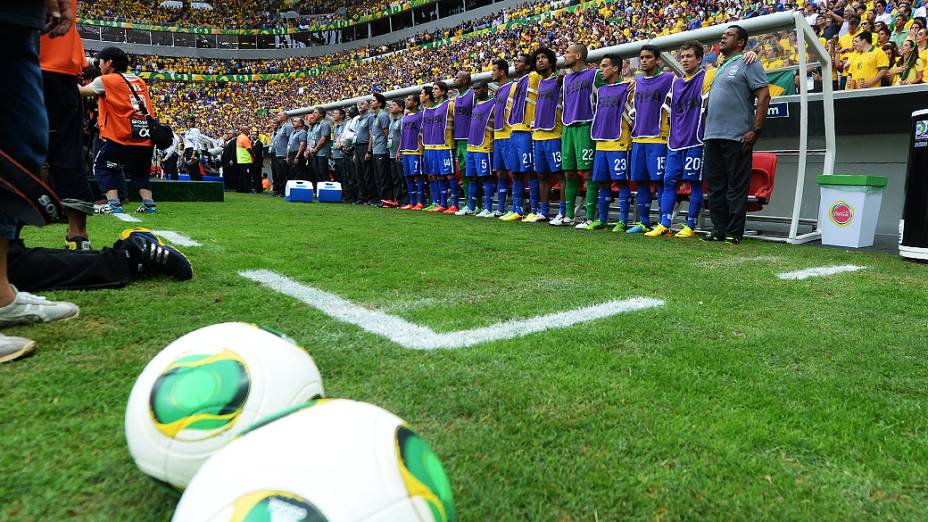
[[190, 77]]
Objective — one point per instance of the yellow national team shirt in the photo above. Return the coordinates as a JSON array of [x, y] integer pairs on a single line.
[[558, 130], [530, 97], [507, 130], [449, 131], [487, 133], [866, 65]]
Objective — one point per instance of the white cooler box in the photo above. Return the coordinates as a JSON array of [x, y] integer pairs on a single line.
[[298, 190], [330, 192], [849, 208]]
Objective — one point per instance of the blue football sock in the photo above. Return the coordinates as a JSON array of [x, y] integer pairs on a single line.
[[668, 199], [454, 194], [420, 191], [472, 195], [625, 199], [487, 194], [562, 208], [443, 192], [518, 189], [545, 208], [602, 203], [433, 191], [533, 194], [115, 202], [644, 203], [695, 203], [411, 191], [502, 186]]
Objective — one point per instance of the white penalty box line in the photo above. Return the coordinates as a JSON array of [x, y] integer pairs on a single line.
[[416, 337]]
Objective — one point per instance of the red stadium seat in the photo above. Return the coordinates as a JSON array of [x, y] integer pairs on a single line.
[[763, 173]]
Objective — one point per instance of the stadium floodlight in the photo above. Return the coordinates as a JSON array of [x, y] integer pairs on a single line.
[[806, 42]]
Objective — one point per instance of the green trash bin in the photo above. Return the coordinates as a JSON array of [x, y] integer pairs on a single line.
[[849, 209]]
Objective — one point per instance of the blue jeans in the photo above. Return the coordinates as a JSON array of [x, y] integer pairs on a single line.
[[23, 121]]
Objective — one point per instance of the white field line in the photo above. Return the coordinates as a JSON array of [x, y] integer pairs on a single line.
[[177, 239], [127, 218], [417, 337], [819, 271]]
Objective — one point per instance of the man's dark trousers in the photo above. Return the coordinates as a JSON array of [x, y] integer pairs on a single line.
[[281, 174], [728, 172], [381, 188], [362, 172]]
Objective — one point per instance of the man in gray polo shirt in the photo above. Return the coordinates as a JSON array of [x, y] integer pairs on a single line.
[[321, 141], [362, 155], [279, 144], [379, 131], [732, 128]]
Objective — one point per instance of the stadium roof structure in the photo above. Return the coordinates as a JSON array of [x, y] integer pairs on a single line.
[[784, 21]]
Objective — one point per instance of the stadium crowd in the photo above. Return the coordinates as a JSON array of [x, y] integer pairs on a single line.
[[240, 14], [363, 71]]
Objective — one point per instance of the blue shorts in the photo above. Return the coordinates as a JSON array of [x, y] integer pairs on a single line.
[[412, 165], [648, 161], [685, 165], [502, 159], [439, 162], [520, 150], [610, 165], [478, 164], [547, 156]]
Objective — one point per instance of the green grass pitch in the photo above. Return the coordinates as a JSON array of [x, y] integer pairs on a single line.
[[743, 398]]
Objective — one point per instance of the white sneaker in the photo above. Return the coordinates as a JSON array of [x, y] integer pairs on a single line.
[[567, 221], [465, 212], [14, 347], [498, 214], [582, 225], [538, 218], [28, 309], [557, 221]]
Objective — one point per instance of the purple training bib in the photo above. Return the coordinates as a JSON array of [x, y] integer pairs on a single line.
[[549, 96], [412, 129], [610, 103], [479, 119], [578, 97], [435, 124], [650, 94], [519, 99], [499, 109], [463, 105], [686, 112]]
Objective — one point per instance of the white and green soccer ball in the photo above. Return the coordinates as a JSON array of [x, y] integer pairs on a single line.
[[332, 460], [206, 388]]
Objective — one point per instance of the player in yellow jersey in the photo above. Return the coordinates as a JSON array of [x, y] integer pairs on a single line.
[[479, 149]]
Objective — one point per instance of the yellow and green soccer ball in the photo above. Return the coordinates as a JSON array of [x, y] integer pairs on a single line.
[[331, 460], [205, 389]]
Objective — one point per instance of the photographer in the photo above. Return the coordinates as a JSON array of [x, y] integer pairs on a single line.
[[126, 148]]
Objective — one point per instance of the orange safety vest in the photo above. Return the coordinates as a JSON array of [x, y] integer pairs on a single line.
[[65, 54], [118, 108]]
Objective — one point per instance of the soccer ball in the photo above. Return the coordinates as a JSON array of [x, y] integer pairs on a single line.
[[330, 460], [208, 387]]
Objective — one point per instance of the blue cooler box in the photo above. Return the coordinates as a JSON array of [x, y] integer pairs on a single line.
[[298, 190], [330, 192]]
